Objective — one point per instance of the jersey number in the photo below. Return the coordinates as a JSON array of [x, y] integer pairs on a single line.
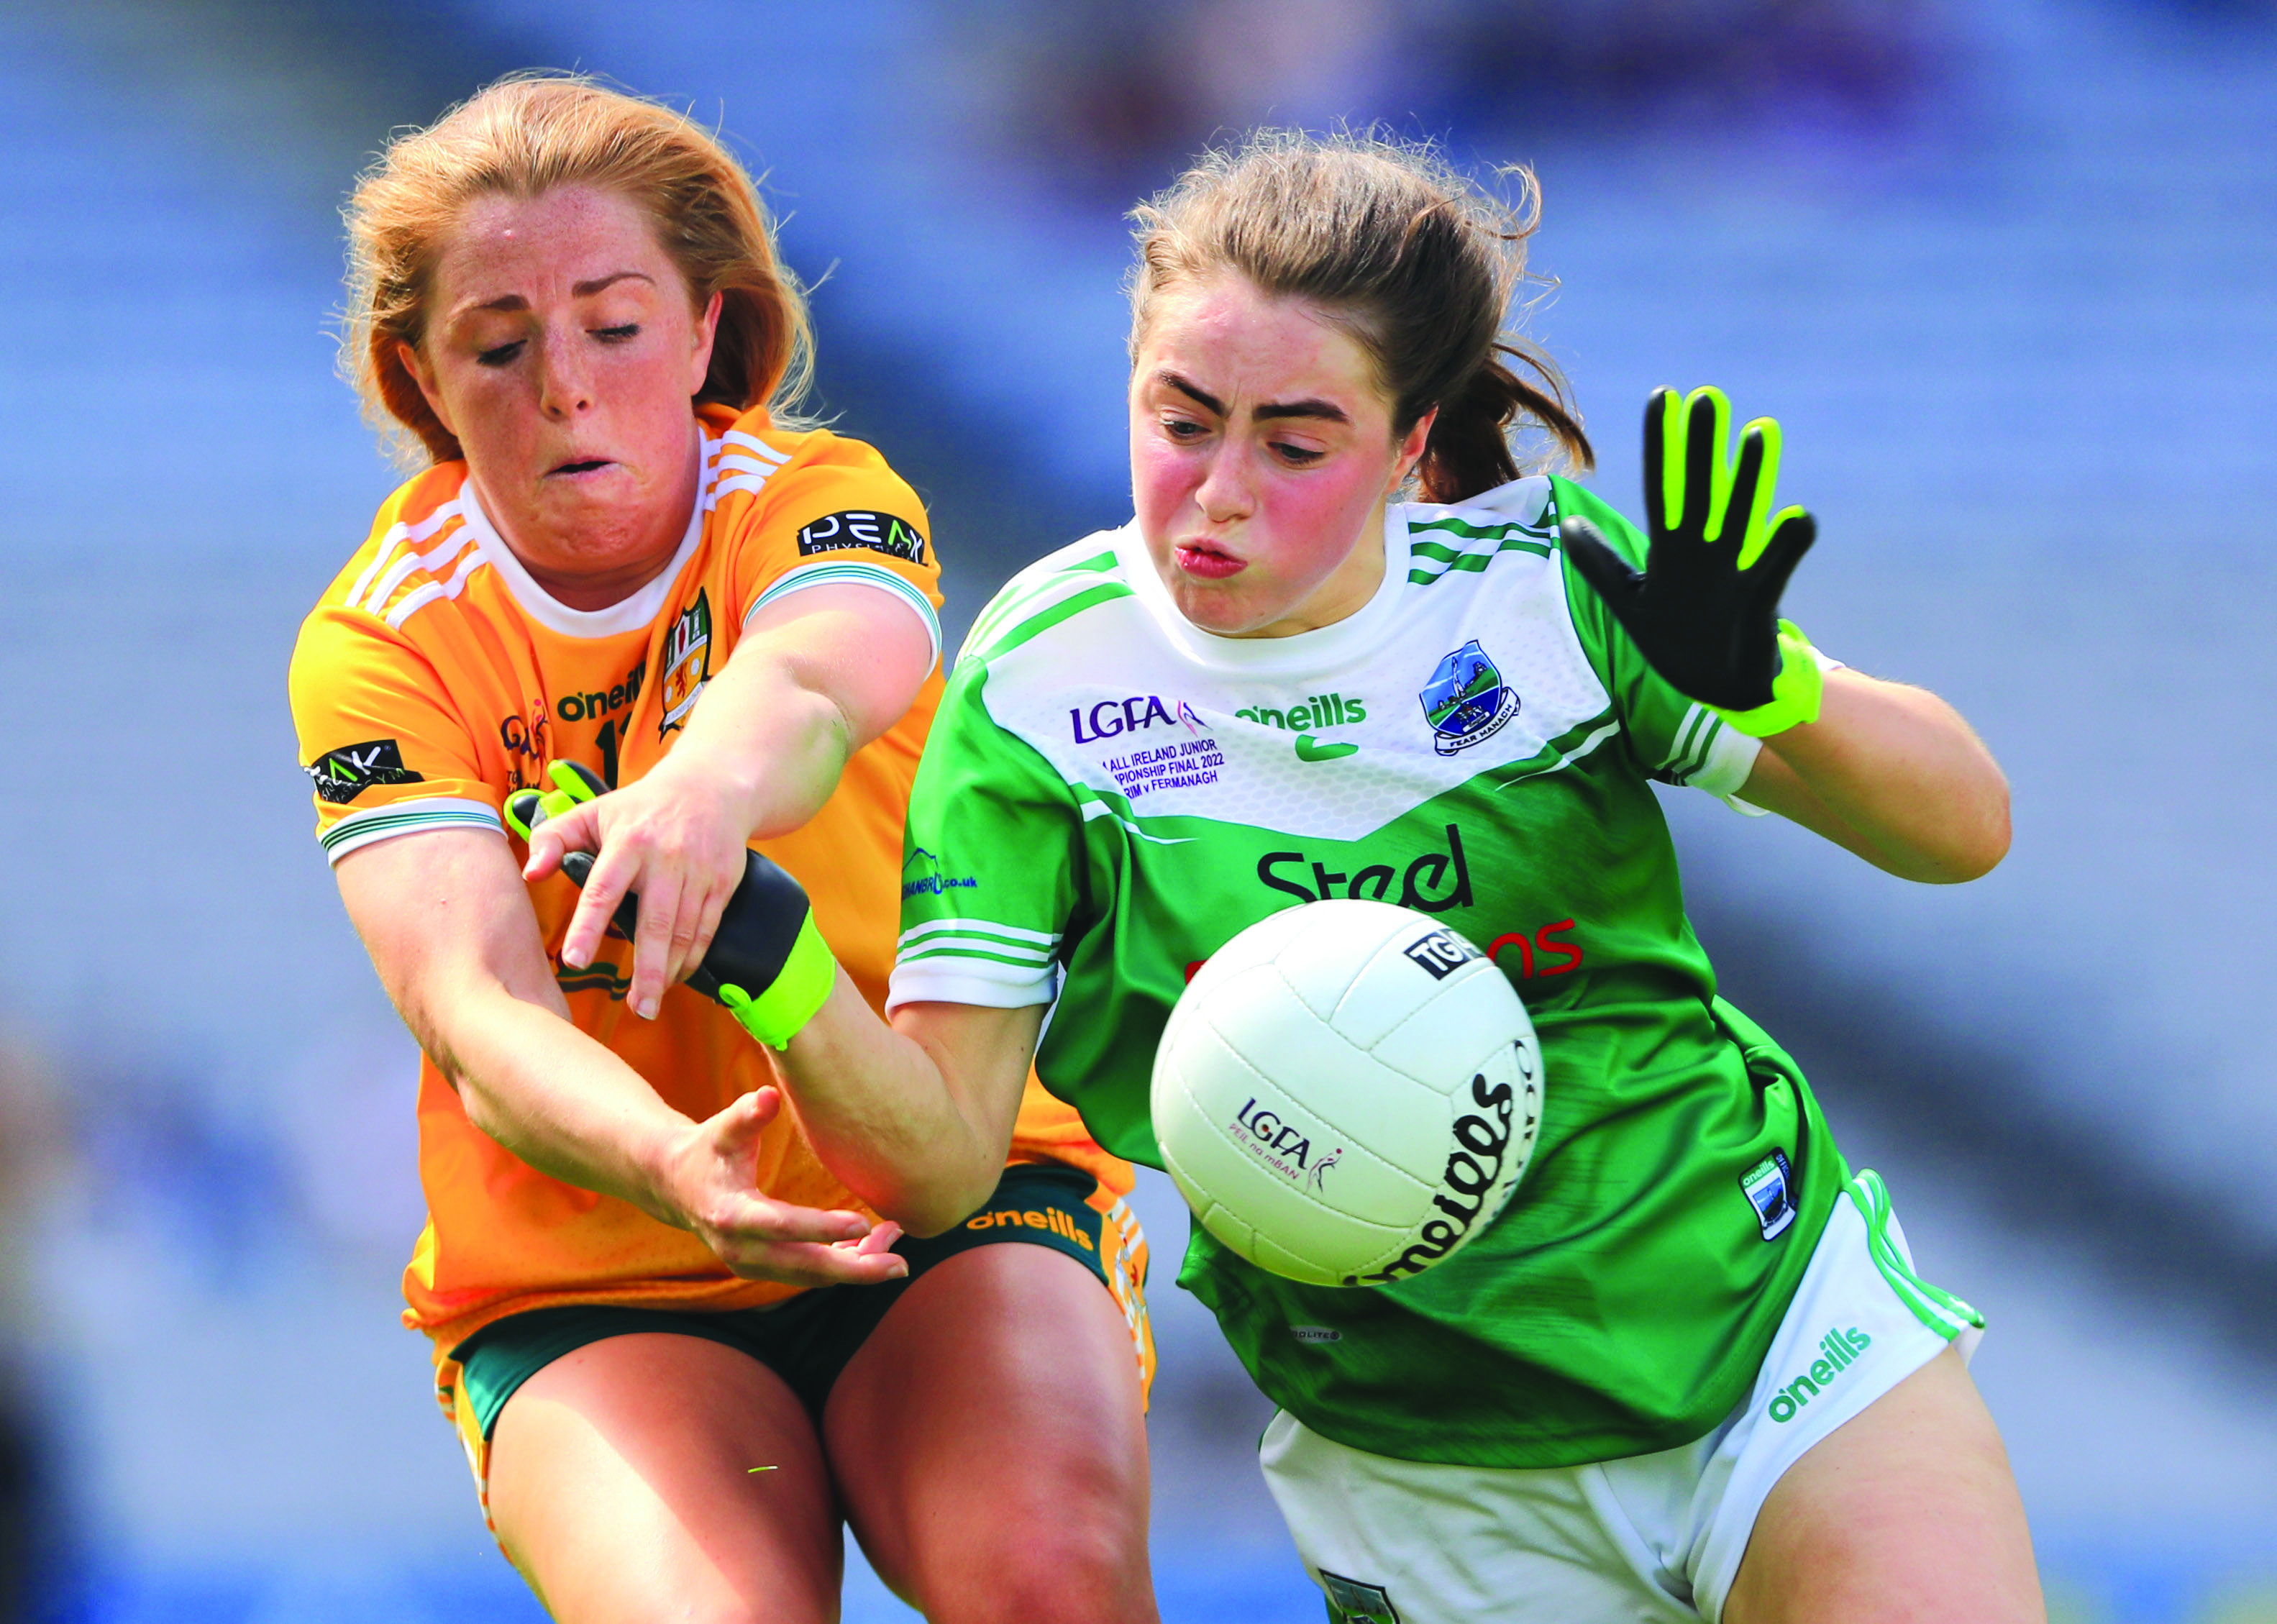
[[608, 743]]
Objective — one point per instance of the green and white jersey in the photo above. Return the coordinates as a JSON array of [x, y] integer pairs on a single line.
[[1110, 794]]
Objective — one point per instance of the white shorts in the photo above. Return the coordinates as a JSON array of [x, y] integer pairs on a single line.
[[1649, 1537]]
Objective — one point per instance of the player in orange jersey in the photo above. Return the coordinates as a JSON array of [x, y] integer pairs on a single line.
[[673, 1344]]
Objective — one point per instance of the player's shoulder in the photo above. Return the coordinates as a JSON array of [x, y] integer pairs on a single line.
[[749, 459], [1514, 525], [419, 547], [1569, 499], [1050, 597]]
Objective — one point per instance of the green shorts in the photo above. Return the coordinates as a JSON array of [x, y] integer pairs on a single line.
[[808, 1340]]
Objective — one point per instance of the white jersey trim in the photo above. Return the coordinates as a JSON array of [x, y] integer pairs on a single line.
[[950, 979], [397, 535], [1044, 940], [358, 830], [852, 572], [450, 586], [634, 614]]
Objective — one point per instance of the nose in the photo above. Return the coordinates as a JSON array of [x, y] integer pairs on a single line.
[[565, 384], [1224, 494]]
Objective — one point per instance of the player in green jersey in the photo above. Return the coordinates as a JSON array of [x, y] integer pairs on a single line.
[[1689, 1370]]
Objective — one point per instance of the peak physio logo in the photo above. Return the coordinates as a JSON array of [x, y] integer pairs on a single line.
[[1839, 1350], [879, 532], [342, 774]]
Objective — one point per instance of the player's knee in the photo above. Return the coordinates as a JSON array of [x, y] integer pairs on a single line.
[[1071, 1574]]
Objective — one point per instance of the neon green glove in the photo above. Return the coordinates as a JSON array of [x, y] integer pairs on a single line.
[[1704, 610], [1795, 690]]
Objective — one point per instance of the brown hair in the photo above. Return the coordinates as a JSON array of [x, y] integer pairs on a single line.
[[522, 137], [1417, 263]]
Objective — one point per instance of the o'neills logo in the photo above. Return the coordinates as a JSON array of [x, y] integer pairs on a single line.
[[1838, 1350], [1483, 1141]]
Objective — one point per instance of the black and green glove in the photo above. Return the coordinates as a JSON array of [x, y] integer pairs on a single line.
[[1704, 613], [767, 962]]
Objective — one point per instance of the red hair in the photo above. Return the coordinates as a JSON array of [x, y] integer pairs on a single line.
[[524, 137]]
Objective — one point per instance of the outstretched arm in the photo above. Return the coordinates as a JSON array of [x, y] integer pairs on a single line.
[[449, 923], [1888, 772], [1893, 774], [916, 1118]]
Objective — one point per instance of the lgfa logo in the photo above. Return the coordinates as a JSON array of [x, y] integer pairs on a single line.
[[1110, 717], [1282, 1146]]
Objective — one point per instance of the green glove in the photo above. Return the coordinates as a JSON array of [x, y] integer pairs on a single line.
[[1704, 612], [767, 962]]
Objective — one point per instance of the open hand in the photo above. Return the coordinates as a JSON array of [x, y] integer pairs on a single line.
[[706, 1183], [1704, 612]]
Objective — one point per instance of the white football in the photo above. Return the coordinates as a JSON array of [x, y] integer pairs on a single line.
[[1347, 1093]]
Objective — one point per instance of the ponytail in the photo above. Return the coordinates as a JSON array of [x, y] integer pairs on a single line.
[[1469, 450]]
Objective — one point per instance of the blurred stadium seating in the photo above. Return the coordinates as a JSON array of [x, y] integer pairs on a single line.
[[2003, 270]]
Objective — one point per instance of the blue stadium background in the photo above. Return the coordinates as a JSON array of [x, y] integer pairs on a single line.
[[2003, 268]]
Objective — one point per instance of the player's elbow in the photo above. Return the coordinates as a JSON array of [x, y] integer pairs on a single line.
[[1991, 842], [936, 1205], [1971, 845]]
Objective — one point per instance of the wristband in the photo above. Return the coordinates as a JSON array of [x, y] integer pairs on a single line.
[[787, 1004], [1795, 690]]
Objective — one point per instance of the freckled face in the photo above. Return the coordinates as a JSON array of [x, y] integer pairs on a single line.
[[1261, 457], [563, 350]]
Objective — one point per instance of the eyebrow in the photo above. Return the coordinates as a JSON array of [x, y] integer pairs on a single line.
[[577, 289], [1325, 409]]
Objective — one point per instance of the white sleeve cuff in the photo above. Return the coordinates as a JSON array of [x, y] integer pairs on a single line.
[[1711, 754], [851, 572], [358, 830], [1730, 797], [955, 979]]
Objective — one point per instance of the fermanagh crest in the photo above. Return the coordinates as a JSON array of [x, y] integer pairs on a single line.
[[1466, 700]]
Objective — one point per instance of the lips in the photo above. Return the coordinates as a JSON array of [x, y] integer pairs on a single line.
[[1207, 562], [587, 467]]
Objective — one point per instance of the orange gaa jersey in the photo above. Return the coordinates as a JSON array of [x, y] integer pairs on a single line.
[[435, 677]]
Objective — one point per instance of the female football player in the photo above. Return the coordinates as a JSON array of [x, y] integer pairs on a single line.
[[673, 1345], [1343, 649]]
